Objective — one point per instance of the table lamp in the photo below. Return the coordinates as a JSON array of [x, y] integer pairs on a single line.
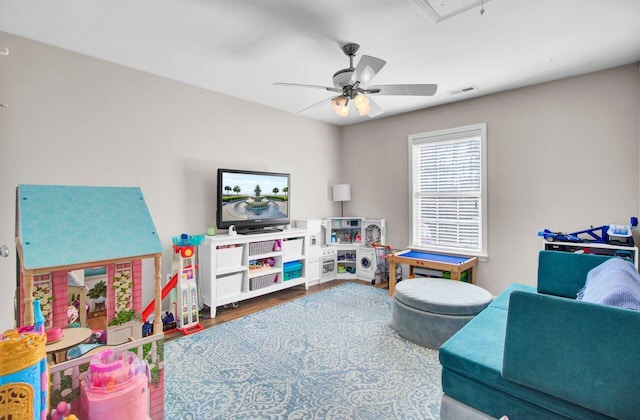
[[342, 193]]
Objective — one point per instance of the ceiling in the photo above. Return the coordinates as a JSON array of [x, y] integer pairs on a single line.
[[242, 47]]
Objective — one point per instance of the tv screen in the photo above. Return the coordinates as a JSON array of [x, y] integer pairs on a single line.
[[252, 200]]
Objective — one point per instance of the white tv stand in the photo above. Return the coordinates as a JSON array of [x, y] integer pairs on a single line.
[[230, 269]]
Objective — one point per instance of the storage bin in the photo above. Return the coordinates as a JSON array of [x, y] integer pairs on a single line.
[[229, 285], [292, 270], [263, 247], [230, 257], [259, 282], [292, 248]]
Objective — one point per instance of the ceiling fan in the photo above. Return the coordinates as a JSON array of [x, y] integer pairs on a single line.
[[352, 84]]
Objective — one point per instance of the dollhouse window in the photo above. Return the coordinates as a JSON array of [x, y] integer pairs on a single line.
[[43, 291], [123, 286]]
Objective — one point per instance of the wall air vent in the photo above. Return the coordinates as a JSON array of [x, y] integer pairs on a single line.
[[465, 89], [439, 10]]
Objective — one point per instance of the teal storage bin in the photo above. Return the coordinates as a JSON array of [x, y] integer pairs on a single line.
[[292, 270]]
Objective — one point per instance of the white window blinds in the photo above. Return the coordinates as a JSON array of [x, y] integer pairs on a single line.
[[448, 190]]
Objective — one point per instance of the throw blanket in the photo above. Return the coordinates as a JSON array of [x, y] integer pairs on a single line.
[[615, 282]]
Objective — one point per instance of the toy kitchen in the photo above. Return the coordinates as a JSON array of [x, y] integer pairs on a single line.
[[344, 246]]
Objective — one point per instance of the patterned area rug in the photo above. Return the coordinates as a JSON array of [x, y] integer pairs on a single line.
[[330, 355]]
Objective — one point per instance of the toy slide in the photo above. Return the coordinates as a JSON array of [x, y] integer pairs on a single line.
[[165, 291]]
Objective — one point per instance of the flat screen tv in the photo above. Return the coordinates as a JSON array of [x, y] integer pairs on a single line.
[[252, 201]]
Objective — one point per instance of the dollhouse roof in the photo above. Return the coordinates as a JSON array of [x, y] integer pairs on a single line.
[[70, 225]]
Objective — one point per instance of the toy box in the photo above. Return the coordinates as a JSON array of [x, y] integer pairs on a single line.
[[229, 285], [228, 257], [292, 270], [292, 248]]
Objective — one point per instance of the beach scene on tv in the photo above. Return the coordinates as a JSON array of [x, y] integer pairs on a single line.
[[254, 196]]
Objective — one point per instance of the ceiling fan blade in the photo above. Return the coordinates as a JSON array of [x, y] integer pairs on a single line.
[[413, 90], [317, 103], [375, 109], [331, 89], [365, 70]]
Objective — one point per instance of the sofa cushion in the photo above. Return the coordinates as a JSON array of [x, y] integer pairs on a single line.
[[580, 352], [476, 350], [563, 273], [615, 282]]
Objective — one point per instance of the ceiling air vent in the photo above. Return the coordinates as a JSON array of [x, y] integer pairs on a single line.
[[465, 89]]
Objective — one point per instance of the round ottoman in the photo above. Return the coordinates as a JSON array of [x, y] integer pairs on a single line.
[[427, 311]]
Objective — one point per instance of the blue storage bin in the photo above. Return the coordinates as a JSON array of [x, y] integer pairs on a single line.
[[292, 270]]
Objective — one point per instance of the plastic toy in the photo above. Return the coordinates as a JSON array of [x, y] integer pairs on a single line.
[[620, 235], [597, 235], [382, 268], [24, 378], [558, 236], [609, 234], [62, 411], [116, 386], [168, 322], [185, 300], [147, 329]]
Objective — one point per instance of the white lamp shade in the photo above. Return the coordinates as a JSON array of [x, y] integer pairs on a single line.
[[340, 105], [362, 104], [342, 192], [338, 102]]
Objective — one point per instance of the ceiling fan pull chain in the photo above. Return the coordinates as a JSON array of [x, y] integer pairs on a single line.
[[481, 7]]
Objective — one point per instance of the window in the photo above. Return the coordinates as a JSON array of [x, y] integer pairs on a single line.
[[448, 190]]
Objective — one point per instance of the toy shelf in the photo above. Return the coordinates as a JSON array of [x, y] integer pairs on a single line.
[[236, 268]]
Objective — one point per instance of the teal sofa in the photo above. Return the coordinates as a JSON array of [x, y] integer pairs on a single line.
[[538, 353]]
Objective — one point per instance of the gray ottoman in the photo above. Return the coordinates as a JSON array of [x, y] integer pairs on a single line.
[[427, 311]]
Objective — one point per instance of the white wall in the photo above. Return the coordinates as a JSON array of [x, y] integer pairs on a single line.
[[75, 120], [561, 155]]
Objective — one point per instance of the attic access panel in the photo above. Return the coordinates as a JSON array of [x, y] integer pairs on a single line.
[[439, 10], [70, 225]]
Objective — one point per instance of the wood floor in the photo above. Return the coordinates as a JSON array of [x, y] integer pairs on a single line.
[[250, 306]]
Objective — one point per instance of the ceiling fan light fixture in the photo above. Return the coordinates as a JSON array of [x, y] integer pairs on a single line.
[[362, 103], [365, 110], [338, 102], [340, 105]]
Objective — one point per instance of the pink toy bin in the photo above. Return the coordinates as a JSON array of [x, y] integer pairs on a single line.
[[116, 386]]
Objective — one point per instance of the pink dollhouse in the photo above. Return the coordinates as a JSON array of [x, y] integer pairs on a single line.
[[60, 229], [76, 229]]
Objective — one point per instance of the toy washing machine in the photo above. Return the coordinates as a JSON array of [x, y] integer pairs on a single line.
[[366, 263], [374, 231]]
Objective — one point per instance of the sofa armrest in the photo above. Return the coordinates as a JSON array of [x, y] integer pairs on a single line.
[[564, 273], [580, 352]]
